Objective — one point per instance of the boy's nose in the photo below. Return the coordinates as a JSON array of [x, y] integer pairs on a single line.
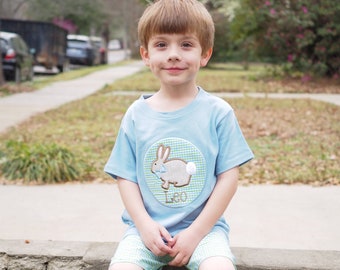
[[174, 55]]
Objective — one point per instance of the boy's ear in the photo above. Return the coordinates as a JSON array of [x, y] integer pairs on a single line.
[[206, 57], [145, 55]]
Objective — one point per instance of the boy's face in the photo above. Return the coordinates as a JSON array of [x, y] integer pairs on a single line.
[[175, 58]]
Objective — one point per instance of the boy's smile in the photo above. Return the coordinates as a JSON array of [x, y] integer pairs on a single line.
[[174, 70], [175, 58]]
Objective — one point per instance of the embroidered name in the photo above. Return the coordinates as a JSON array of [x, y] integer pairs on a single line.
[[175, 197]]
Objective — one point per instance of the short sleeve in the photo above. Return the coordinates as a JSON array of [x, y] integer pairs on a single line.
[[233, 148], [122, 161]]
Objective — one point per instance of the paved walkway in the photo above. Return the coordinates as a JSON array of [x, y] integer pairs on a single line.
[[264, 216], [330, 98], [19, 107]]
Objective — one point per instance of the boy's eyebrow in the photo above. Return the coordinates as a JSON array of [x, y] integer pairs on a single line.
[[164, 36]]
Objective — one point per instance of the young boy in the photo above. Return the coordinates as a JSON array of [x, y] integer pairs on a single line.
[[177, 153]]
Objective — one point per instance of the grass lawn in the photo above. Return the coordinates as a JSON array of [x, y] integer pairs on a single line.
[[41, 81], [294, 141], [233, 78]]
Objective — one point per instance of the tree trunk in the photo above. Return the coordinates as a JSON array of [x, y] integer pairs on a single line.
[[2, 79]]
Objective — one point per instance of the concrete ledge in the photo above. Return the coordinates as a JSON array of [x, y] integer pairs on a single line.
[[53, 255]]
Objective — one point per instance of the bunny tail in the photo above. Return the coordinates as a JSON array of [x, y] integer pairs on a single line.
[[191, 168]]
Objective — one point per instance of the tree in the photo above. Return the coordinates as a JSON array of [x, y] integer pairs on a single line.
[[116, 17], [302, 35], [122, 18], [13, 8], [87, 15]]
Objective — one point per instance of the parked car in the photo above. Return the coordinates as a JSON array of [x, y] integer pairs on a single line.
[[82, 50], [100, 44], [17, 59], [114, 44]]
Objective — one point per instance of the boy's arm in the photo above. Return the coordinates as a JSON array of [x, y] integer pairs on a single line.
[[150, 231], [187, 240]]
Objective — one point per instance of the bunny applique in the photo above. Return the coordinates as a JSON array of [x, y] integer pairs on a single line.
[[174, 171]]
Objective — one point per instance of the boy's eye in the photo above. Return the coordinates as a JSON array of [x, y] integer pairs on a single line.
[[161, 44], [186, 44]]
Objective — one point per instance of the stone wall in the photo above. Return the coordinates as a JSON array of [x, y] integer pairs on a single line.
[[54, 255]]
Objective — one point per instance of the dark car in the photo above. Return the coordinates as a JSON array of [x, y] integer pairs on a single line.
[[17, 59], [82, 50]]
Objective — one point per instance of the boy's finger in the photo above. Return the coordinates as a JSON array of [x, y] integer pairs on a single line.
[[165, 249], [179, 260], [166, 236]]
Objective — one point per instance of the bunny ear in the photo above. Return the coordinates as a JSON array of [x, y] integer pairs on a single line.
[[160, 151], [163, 154], [166, 153]]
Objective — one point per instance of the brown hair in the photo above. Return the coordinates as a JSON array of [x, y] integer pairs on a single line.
[[177, 17]]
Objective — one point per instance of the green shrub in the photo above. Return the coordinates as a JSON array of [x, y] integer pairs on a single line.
[[304, 33], [40, 163]]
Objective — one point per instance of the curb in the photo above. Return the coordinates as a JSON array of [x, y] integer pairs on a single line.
[[53, 255]]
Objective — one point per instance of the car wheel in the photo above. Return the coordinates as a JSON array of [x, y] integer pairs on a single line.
[[17, 75]]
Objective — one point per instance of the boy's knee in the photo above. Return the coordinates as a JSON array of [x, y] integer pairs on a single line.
[[217, 262], [174, 268], [124, 266]]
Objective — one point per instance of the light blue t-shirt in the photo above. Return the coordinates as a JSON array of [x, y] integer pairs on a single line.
[[175, 157]]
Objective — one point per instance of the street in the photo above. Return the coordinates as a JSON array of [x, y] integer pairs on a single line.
[[113, 57]]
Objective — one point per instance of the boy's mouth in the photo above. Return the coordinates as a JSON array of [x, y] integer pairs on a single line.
[[174, 69]]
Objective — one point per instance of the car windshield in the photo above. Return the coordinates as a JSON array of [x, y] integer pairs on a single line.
[[98, 43], [77, 44], [3, 44]]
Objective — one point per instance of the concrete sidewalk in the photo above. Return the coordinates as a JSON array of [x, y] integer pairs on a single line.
[[19, 107], [265, 216], [329, 98]]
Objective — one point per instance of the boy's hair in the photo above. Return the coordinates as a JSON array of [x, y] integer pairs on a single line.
[[177, 17]]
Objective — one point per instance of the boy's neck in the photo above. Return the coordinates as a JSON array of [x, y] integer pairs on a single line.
[[169, 99], [178, 92]]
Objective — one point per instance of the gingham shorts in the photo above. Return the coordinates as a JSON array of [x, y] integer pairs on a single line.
[[132, 250]]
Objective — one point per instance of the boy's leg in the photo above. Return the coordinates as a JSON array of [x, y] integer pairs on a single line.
[[213, 252], [125, 266], [132, 254], [221, 263]]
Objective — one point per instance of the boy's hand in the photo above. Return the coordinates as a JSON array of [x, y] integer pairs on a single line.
[[156, 238], [185, 244]]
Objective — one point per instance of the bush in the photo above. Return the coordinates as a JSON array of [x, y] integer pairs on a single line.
[[304, 33], [39, 163]]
